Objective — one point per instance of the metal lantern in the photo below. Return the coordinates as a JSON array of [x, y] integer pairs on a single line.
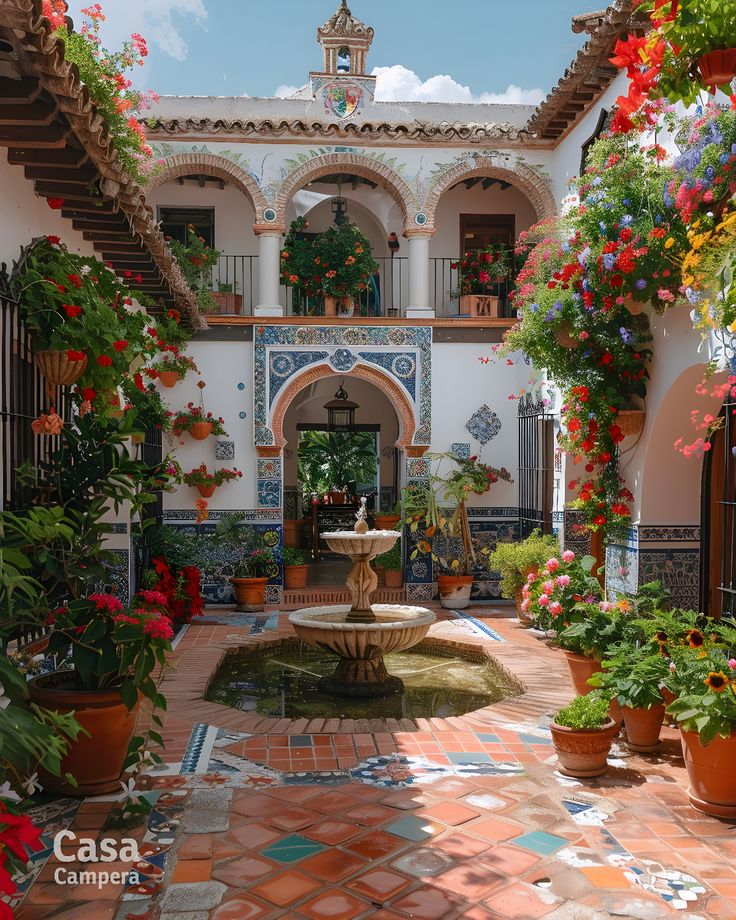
[[339, 209], [341, 412]]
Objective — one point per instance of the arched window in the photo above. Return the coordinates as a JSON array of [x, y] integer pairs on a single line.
[[343, 60]]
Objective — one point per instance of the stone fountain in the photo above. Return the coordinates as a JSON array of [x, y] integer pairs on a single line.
[[361, 634]]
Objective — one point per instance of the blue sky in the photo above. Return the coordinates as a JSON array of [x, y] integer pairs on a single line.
[[431, 50]]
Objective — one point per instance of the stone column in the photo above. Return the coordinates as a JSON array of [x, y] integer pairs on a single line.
[[419, 306], [269, 269]]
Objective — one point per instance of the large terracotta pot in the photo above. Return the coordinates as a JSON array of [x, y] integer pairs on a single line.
[[200, 430], [58, 370], [229, 304], [293, 532], [454, 590], [386, 521], [710, 770], [295, 576], [250, 593], [582, 667], [642, 727], [95, 761], [330, 305], [635, 307], [583, 752], [168, 378], [394, 578], [717, 67], [565, 336], [206, 490]]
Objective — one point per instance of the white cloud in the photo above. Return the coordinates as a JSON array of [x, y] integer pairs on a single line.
[[399, 84], [284, 91], [155, 20]]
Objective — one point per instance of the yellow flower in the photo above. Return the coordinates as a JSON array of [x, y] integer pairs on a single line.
[[669, 243]]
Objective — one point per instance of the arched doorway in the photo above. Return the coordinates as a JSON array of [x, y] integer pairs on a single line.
[[719, 518], [318, 464]]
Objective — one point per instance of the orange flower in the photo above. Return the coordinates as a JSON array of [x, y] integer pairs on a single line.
[[716, 681], [695, 638]]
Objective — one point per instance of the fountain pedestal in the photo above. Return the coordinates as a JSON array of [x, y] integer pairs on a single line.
[[360, 635]]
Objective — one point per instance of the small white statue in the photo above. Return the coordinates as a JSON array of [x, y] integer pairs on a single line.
[[361, 523]]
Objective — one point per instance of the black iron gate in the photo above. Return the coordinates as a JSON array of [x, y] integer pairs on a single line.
[[22, 399], [536, 465], [152, 513]]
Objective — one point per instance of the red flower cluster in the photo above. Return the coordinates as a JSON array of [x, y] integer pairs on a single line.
[[181, 590]]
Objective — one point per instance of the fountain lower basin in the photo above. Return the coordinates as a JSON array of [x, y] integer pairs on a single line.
[[361, 646]]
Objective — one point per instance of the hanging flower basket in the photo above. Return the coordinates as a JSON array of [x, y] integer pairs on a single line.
[[565, 337], [169, 378], [717, 67], [635, 307], [58, 369], [200, 431], [630, 421]]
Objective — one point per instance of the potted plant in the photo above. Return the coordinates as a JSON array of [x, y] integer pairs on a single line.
[[391, 562], [143, 404], [703, 678], [197, 422], [296, 567], [634, 677], [480, 272], [205, 482], [516, 561], [197, 260], [387, 520], [439, 507], [173, 367], [255, 563], [582, 734], [229, 302]]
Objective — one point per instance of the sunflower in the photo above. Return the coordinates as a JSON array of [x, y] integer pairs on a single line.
[[661, 636], [716, 681], [695, 638]]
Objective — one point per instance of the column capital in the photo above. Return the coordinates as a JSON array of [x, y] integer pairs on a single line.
[[269, 229], [418, 232]]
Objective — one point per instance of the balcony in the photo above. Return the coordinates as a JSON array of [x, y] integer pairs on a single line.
[[387, 296]]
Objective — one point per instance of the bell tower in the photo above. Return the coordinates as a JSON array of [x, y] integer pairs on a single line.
[[345, 41]]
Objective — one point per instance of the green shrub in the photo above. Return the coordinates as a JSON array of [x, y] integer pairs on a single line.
[[585, 712], [514, 560], [293, 556], [391, 559]]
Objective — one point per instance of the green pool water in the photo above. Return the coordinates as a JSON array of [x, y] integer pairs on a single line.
[[283, 683]]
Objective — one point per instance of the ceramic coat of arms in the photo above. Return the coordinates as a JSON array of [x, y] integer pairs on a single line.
[[343, 100]]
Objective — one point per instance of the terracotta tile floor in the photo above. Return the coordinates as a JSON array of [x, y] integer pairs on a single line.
[[391, 820]]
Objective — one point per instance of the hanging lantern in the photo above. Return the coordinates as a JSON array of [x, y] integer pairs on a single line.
[[341, 412]]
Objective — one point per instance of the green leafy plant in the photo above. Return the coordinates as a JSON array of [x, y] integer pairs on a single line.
[[514, 561], [633, 676], [201, 476], [175, 361], [148, 408], [586, 713], [391, 559], [704, 682], [291, 555], [593, 629], [332, 459], [551, 596], [256, 559], [196, 260]]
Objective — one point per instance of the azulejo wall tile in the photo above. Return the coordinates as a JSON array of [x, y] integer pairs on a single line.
[[269, 468], [420, 592], [269, 493], [461, 449], [417, 468], [224, 450], [678, 570], [483, 424]]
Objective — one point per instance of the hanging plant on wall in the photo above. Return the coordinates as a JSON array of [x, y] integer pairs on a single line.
[[580, 297]]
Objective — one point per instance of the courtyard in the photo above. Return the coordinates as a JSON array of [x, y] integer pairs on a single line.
[[367, 461]]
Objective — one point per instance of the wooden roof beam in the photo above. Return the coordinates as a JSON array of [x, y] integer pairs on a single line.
[[37, 113], [42, 137], [19, 92], [63, 158]]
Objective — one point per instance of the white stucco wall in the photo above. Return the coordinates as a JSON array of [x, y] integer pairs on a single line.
[[25, 216], [223, 366]]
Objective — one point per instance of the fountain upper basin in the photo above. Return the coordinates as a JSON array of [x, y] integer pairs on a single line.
[[370, 544], [396, 627]]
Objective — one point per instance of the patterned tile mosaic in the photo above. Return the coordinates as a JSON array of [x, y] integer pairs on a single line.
[[224, 450], [461, 449], [483, 424], [269, 468]]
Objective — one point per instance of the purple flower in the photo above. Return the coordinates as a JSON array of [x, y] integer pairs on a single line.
[[550, 315], [626, 337], [609, 260], [640, 284]]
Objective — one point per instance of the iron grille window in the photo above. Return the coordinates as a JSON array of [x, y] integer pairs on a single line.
[[23, 398], [536, 466]]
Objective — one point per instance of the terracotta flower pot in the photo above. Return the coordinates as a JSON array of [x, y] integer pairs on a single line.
[[635, 307], [583, 752], [454, 590], [717, 67], [58, 370], [206, 490], [168, 378], [200, 431], [95, 761], [564, 334], [229, 304], [385, 521], [295, 576], [582, 667], [479, 305], [394, 578], [250, 593], [337, 498], [642, 727], [630, 421], [710, 770], [330, 305]]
